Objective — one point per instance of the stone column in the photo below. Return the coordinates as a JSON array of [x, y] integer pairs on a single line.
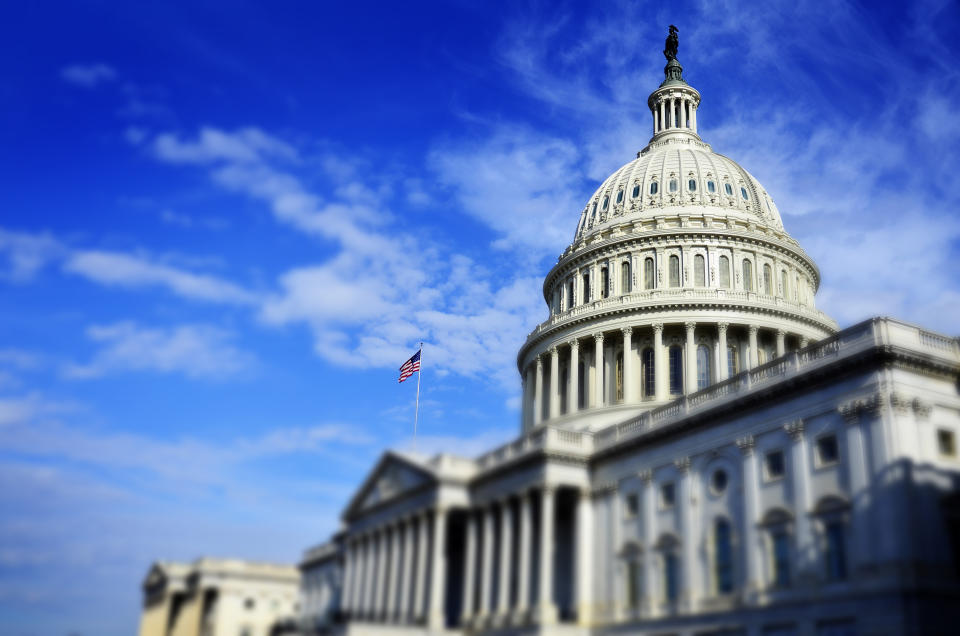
[[752, 545], [659, 363], [419, 592], [683, 113], [804, 540], [649, 539], [662, 120], [525, 555], [781, 342], [654, 121], [486, 572], [688, 595], [406, 586], [583, 591], [752, 358], [506, 559], [349, 565], [723, 367], [469, 574], [554, 382], [598, 393], [691, 359], [573, 391], [617, 574], [861, 541], [379, 605], [693, 115], [392, 592], [547, 610], [438, 569], [538, 393], [804, 342], [370, 568], [526, 417], [629, 392]]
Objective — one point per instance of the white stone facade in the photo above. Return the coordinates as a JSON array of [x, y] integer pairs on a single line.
[[701, 452]]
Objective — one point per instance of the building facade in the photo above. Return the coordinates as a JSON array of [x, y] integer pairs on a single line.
[[701, 450], [219, 597]]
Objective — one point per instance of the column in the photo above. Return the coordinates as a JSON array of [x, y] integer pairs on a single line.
[[421, 584], [654, 121], [693, 116], [753, 547], [554, 382], [804, 540], [438, 569], [598, 393], [673, 112], [861, 528], [659, 363], [525, 555], [506, 558], [370, 570], [381, 582], [538, 393], [683, 113], [663, 121], [349, 565], [486, 572], [469, 574], [781, 342], [573, 391], [406, 586], [584, 578], [629, 391], [690, 363], [526, 417], [392, 592], [547, 613], [752, 357], [723, 367], [688, 595], [616, 536], [650, 540]]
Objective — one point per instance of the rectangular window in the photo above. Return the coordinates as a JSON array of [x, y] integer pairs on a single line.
[[633, 505], [946, 442], [634, 584], [836, 551], [667, 495], [670, 575], [604, 283], [827, 450], [773, 465], [781, 558]]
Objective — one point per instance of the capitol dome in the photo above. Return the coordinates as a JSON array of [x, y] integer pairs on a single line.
[[680, 276]]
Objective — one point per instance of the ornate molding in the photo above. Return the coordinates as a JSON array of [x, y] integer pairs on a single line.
[[746, 445], [658, 327], [627, 332], [722, 327], [794, 429], [646, 475], [690, 325], [682, 464], [853, 410], [574, 344], [598, 338]]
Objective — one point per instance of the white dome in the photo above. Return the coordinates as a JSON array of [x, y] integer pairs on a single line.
[[659, 181]]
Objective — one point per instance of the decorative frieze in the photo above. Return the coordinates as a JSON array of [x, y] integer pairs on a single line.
[[794, 429]]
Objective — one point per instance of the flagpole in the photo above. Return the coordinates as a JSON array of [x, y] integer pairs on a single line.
[[416, 412]]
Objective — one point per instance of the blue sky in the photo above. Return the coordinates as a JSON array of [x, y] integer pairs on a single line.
[[223, 226]]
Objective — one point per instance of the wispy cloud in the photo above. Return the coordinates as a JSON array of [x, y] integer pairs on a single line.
[[26, 254], [197, 351], [88, 75]]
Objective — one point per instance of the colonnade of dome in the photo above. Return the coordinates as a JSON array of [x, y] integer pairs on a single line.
[[679, 276]]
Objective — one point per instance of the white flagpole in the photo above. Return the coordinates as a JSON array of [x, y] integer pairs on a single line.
[[416, 412]]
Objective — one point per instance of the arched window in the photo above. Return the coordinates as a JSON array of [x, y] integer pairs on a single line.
[[733, 361], [796, 289], [676, 370], [743, 193], [726, 188], [692, 185], [634, 581], [724, 272], [767, 280], [711, 187], [604, 283], [747, 275], [647, 370], [619, 379], [620, 195], [780, 555], [586, 288], [722, 556], [593, 214], [835, 552], [606, 202], [703, 367], [699, 270], [671, 574], [625, 278], [636, 191], [649, 278], [674, 271], [570, 298], [581, 386], [654, 187], [783, 283], [673, 185], [564, 388]]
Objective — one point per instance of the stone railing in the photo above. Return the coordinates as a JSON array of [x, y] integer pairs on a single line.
[[654, 296], [543, 439]]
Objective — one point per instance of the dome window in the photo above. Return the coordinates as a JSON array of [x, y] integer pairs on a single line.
[[654, 187], [619, 196], [743, 193], [673, 185], [711, 187], [636, 191], [728, 189], [692, 185], [606, 202], [593, 214]]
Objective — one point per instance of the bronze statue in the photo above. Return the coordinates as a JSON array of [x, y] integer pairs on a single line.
[[673, 43]]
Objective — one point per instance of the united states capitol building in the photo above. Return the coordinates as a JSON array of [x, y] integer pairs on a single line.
[[702, 451]]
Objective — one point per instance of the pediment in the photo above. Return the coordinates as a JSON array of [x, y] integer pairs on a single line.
[[392, 477]]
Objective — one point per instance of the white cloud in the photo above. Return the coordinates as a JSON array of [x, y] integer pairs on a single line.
[[125, 270], [88, 75], [247, 145], [26, 254], [197, 351]]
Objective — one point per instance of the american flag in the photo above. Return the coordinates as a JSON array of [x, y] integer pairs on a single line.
[[410, 367]]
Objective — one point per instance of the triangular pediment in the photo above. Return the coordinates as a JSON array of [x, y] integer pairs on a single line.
[[393, 476]]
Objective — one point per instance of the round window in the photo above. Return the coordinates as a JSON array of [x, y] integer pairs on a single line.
[[718, 482]]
